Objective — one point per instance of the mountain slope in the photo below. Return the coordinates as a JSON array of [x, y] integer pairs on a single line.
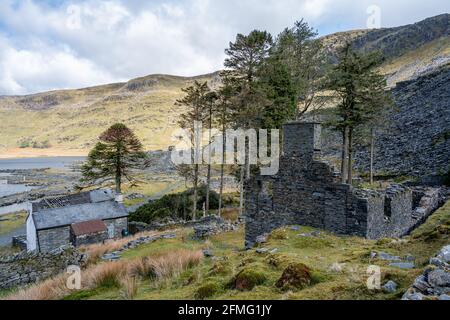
[[73, 119], [66, 120]]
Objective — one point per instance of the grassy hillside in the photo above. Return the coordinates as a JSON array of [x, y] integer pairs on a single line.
[[73, 119], [329, 267]]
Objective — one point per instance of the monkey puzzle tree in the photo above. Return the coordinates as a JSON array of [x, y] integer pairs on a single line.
[[114, 158]]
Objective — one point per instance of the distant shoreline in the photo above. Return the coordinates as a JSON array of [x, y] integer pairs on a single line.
[[19, 153]]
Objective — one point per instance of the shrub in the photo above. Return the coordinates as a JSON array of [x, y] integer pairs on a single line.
[[207, 290], [248, 278], [296, 275], [174, 206]]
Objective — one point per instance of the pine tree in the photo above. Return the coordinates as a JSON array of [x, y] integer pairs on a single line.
[[118, 153], [210, 104], [362, 93], [302, 53], [222, 119], [195, 102]]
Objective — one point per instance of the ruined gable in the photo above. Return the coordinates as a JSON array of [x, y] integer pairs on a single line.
[[307, 191]]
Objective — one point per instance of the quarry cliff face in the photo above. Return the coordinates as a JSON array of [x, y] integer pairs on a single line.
[[417, 140]]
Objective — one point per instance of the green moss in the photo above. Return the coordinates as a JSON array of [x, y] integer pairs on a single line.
[[278, 260], [220, 268], [312, 242], [436, 227], [279, 234], [248, 278], [84, 294], [207, 290]]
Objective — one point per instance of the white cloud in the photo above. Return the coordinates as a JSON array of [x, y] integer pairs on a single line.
[[87, 42], [45, 68]]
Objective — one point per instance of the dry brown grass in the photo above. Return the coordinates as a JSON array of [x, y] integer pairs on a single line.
[[50, 289], [95, 251], [119, 274], [130, 287]]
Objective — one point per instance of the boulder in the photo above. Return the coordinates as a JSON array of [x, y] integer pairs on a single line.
[[439, 278], [444, 254]]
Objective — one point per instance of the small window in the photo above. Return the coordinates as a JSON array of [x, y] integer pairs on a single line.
[[387, 208]]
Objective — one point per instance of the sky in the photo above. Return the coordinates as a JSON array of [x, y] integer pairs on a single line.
[[59, 44]]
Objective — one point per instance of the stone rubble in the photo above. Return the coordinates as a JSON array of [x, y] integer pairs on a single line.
[[213, 225], [434, 283]]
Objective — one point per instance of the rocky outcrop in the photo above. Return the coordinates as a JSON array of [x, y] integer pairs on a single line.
[[25, 268], [434, 283]]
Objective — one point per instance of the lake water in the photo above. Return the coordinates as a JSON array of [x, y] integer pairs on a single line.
[[39, 163]]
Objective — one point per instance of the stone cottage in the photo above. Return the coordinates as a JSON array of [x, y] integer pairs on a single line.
[[307, 191], [76, 219]]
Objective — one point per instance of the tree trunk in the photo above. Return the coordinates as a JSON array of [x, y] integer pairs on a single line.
[[184, 207], [118, 183], [208, 176], [222, 168], [372, 152], [194, 206], [241, 199], [350, 156], [344, 156]]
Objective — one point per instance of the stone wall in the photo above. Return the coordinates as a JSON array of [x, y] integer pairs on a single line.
[[50, 239], [119, 225], [26, 268], [390, 215], [86, 239], [307, 191]]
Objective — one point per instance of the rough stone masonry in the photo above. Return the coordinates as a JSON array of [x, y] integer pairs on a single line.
[[25, 268], [307, 191]]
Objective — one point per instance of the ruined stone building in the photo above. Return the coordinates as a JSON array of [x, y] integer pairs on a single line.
[[77, 219], [307, 191]]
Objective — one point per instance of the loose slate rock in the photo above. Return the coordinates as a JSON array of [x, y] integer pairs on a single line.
[[387, 257], [390, 287], [439, 278], [208, 253], [402, 265], [444, 254]]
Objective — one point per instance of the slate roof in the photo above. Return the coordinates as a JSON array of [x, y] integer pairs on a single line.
[[88, 227], [73, 199], [82, 207]]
